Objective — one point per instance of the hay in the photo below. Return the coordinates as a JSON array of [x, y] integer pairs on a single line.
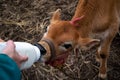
[[26, 20]]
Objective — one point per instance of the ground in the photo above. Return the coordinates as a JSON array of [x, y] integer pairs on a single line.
[[26, 20]]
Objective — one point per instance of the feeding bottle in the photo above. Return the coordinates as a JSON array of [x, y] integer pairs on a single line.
[[33, 52]]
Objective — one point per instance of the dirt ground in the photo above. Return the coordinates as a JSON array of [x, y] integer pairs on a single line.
[[26, 20]]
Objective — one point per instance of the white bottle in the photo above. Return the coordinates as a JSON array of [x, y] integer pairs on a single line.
[[32, 52]]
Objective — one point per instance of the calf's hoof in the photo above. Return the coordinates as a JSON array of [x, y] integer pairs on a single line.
[[102, 76]]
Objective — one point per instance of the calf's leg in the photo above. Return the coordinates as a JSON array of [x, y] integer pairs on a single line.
[[103, 51]]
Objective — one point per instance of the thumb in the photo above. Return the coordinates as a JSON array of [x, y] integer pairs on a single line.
[[10, 47]]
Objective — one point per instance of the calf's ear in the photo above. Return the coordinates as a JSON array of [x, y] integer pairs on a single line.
[[76, 20], [88, 43], [56, 15]]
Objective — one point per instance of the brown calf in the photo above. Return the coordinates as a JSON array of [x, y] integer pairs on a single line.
[[99, 25]]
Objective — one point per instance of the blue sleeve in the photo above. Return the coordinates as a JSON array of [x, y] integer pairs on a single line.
[[8, 69]]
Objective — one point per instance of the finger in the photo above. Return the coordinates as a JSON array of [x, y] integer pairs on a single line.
[[23, 58], [19, 59], [1, 40]]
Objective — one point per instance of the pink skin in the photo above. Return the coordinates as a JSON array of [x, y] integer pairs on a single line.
[[12, 53]]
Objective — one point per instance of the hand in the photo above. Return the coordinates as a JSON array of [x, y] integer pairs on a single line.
[[12, 53]]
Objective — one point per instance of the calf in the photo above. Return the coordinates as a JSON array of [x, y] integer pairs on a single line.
[[94, 22]]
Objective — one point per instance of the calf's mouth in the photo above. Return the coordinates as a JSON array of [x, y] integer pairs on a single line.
[[50, 57]]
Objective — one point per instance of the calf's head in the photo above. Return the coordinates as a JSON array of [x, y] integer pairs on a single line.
[[65, 34]]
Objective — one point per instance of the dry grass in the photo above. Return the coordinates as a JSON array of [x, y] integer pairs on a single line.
[[26, 20]]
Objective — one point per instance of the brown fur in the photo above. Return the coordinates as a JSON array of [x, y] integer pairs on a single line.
[[99, 25]]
